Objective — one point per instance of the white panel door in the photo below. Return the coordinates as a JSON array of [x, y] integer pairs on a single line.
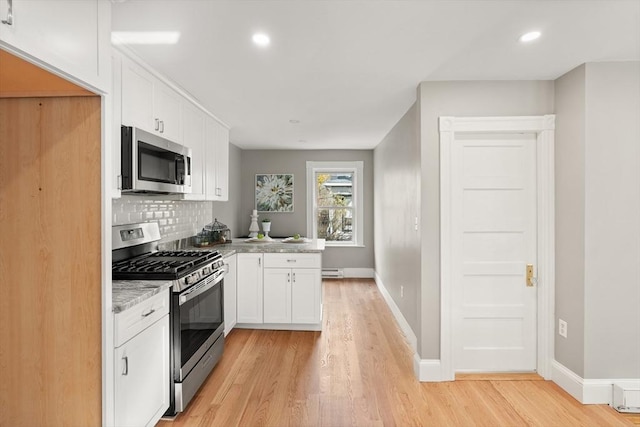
[[493, 207]]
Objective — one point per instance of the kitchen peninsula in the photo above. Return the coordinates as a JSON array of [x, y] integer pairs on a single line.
[[276, 285]]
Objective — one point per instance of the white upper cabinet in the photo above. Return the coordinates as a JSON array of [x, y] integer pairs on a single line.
[[193, 120], [150, 104], [217, 160], [167, 110], [115, 101], [141, 98], [71, 38]]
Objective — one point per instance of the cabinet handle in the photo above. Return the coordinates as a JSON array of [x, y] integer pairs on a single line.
[[125, 371], [161, 126], [157, 124], [9, 20], [294, 277], [119, 182], [218, 191], [259, 262], [291, 260], [153, 310], [288, 277]]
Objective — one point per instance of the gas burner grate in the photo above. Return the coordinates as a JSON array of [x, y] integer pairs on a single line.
[[162, 265]]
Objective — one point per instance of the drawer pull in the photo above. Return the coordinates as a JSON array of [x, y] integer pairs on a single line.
[[153, 310], [125, 370], [291, 260]]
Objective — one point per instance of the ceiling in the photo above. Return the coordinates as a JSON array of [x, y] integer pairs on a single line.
[[348, 70]]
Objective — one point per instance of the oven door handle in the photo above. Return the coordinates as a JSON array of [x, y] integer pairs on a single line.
[[191, 294]]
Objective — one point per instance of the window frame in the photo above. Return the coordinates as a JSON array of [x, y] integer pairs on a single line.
[[354, 167]]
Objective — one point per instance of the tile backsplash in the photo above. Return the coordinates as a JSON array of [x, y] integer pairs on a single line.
[[177, 218]]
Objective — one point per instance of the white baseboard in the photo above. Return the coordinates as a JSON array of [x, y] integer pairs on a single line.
[[402, 322], [427, 370], [361, 273], [586, 391]]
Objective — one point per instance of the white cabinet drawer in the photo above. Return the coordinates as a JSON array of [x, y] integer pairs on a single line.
[[292, 260], [130, 322]]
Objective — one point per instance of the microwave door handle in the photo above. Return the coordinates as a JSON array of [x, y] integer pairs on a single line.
[[187, 171]]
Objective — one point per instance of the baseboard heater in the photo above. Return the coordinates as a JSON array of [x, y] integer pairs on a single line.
[[332, 273], [626, 396]]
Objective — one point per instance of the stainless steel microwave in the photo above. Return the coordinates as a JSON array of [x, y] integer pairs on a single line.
[[151, 164]]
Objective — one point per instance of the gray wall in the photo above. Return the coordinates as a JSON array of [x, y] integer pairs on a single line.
[[229, 212], [569, 198], [612, 221], [287, 224], [457, 98], [598, 219], [396, 206]]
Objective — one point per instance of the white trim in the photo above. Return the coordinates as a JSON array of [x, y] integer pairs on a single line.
[[586, 391], [427, 370], [395, 310], [364, 273], [357, 168], [543, 127]]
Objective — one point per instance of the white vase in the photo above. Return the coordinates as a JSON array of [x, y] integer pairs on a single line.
[[253, 228], [266, 227]]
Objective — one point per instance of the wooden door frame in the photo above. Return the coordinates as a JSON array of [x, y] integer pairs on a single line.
[[543, 127]]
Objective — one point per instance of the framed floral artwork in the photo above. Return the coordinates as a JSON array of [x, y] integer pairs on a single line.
[[274, 192]]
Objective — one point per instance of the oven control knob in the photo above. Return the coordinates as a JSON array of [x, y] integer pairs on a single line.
[[206, 270], [189, 280]]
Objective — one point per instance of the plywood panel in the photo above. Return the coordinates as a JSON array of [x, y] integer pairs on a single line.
[[50, 262], [20, 79]]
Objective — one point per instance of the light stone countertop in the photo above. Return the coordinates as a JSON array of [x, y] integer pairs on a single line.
[[238, 245], [128, 293]]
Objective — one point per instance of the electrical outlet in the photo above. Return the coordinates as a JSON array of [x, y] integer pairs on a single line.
[[562, 328], [401, 291]]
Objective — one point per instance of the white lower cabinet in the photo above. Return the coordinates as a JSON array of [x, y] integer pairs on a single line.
[[249, 292], [141, 383], [277, 295], [286, 295], [306, 295], [230, 294]]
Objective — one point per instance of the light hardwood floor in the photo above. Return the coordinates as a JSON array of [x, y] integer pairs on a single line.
[[358, 372]]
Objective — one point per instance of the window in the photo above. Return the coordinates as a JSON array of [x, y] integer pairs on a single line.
[[334, 205]]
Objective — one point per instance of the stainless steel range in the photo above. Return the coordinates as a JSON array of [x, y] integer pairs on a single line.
[[197, 310]]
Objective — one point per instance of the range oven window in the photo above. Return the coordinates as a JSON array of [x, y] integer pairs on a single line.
[[200, 318]]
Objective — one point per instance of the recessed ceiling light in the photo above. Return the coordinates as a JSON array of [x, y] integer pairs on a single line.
[[261, 39], [145, 37], [529, 37], [294, 121]]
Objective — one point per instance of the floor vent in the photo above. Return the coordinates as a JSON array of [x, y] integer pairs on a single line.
[[332, 273]]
